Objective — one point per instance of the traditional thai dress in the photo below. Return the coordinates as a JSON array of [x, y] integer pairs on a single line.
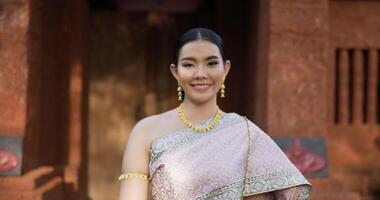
[[188, 165]]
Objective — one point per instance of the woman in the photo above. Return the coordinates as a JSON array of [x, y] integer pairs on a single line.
[[197, 151]]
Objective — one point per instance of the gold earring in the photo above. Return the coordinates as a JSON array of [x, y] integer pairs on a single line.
[[179, 90], [222, 90]]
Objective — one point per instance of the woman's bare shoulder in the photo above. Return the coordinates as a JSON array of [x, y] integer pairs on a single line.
[[154, 120], [155, 125], [139, 141]]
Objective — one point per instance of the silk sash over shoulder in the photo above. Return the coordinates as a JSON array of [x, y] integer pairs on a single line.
[[189, 165]]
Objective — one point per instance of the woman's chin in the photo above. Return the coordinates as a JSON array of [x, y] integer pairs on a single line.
[[201, 98]]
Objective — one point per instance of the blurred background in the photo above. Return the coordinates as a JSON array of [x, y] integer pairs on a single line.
[[76, 75]]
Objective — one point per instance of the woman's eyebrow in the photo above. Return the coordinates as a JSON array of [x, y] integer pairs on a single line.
[[193, 59], [212, 57], [188, 58]]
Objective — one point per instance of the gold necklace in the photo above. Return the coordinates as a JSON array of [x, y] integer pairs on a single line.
[[215, 121]]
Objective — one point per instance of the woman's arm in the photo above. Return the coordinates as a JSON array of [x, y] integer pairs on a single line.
[[135, 160]]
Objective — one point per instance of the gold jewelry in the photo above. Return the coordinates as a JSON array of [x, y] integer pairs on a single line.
[[215, 121], [222, 90], [179, 90], [132, 175]]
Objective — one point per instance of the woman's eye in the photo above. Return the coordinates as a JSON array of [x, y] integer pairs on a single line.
[[187, 65], [213, 63]]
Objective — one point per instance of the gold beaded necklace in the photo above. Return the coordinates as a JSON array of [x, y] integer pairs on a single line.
[[215, 121]]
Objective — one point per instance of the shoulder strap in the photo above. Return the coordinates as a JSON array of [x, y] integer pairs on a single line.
[[248, 156]]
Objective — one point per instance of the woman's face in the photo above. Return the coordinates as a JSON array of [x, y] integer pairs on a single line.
[[200, 71]]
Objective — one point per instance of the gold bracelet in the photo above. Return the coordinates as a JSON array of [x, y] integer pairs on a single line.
[[132, 175]]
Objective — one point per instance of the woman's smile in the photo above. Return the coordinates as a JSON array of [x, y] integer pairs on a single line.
[[201, 87]]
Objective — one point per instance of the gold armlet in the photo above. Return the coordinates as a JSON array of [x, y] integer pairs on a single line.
[[132, 175]]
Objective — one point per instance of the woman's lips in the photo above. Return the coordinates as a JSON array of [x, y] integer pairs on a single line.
[[201, 87]]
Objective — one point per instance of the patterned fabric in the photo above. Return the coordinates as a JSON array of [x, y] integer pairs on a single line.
[[189, 165]]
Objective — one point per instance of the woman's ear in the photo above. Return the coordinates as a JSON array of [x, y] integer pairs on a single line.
[[174, 71], [227, 66]]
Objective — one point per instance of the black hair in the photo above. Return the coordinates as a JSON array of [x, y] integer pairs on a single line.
[[199, 34]]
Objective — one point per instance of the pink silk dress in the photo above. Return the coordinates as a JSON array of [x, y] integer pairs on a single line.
[[189, 165]]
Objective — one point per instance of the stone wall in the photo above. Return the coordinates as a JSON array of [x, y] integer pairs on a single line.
[[14, 21], [297, 68], [43, 96], [354, 89], [322, 81]]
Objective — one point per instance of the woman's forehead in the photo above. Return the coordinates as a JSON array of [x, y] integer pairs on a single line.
[[199, 49]]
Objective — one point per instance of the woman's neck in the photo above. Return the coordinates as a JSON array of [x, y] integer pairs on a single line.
[[199, 112]]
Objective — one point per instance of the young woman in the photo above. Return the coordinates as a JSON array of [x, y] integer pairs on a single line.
[[197, 151]]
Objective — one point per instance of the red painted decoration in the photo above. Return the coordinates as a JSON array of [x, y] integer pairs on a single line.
[[307, 162], [8, 161]]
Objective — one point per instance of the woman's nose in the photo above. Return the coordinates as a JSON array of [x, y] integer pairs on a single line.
[[200, 72]]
